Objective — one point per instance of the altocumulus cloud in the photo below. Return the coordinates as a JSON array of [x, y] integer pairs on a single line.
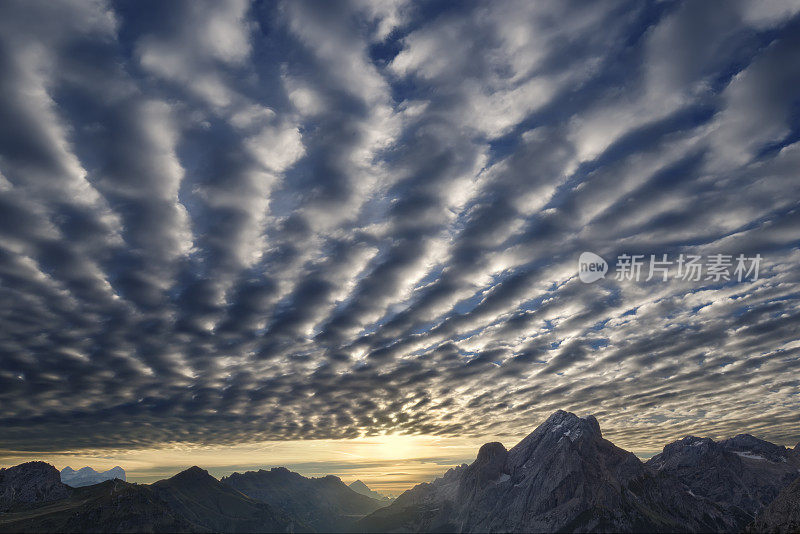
[[228, 221]]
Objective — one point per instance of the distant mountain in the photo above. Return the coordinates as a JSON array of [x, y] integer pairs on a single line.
[[326, 504], [111, 506], [363, 489], [562, 477], [86, 476], [30, 483], [783, 514], [205, 501], [743, 473]]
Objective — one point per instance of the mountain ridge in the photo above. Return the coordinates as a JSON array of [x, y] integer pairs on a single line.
[[744, 473], [563, 476], [324, 503], [203, 500]]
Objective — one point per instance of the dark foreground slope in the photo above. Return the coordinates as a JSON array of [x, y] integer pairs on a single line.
[[782, 515], [563, 477], [112, 506], [325, 504]]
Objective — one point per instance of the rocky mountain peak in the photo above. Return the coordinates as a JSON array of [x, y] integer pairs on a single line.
[[559, 430], [562, 477], [490, 464], [687, 451], [753, 447], [361, 488], [192, 475], [491, 452], [743, 472], [571, 425], [358, 485], [31, 482]]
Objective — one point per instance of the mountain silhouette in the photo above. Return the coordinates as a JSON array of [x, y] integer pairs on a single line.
[[205, 501], [743, 473], [361, 488], [562, 477], [326, 504]]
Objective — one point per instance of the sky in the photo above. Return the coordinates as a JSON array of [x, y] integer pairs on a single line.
[[344, 236]]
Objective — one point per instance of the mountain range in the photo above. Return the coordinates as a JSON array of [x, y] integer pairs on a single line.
[[562, 477], [326, 504], [86, 476]]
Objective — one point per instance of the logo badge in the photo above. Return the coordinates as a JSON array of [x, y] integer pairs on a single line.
[[591, 267]]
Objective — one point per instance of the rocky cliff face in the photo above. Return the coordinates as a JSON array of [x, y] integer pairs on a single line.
[[562, 477], [30, 483], [742, 473], [325, 504], [86, 476], [782, 515]]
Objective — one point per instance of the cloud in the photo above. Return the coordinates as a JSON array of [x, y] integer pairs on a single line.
[[225, 223]]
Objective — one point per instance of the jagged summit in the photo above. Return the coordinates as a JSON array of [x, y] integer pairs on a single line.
[[193, 472], [570, 425], [491, 464], [753, 446], [490, 452], [564, 476], [560, 428], [361, 488], [358, 484]]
